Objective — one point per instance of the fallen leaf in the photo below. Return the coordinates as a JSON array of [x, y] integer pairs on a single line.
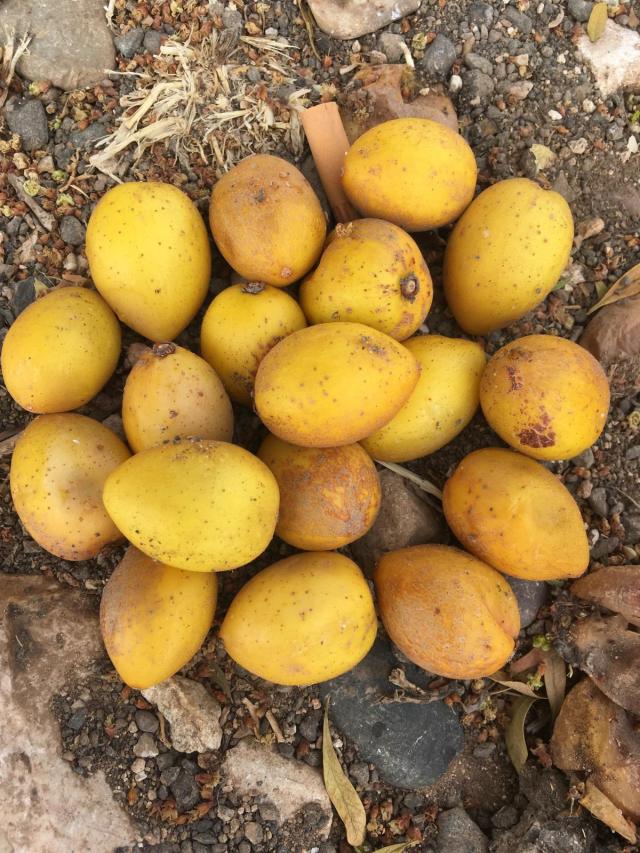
[[555, 681], [397, 848], [601, 807], [597, 21], [528, 661], [543, 156], [518, 686], [616, 587], [514, 735], [340, 790], [626, 286]]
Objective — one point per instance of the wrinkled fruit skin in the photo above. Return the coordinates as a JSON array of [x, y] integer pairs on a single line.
[[302, 620], [513, 514], [328, 496], [267, 221], [446, 611], [172, 393], [239, 328], [441, 405], [203, 506], [154, 618], [413, 172], [545, 396], [58, 470], [505, 254], [333, 384], [60, 351], [149, 257], [371, 272]]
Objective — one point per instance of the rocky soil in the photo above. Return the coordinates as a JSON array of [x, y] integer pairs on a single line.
[[222, 761]]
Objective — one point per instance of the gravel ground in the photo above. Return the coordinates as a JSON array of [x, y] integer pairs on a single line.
[[516, 81]]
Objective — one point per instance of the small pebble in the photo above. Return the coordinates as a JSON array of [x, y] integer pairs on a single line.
[[145, 747], [146, 721]]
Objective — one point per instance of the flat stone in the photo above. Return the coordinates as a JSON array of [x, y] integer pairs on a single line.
[[24, 293], [439, 57], [129, 43], [597, 500], [531, 596], [27, 118], [614, 58], [391, 45], [358, 17], [518, 19], [457, 833], [580, 10], [191, 711], [185, 790], [631, 523], [411, 744], [480, 14], [71, 43], [474, 60], [72, 230], [255, 770], [49, 636], [146, 746], [477, 87], [152, 41]]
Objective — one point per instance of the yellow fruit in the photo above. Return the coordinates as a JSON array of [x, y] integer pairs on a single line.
[[328, 496], [447, 611], [149, 256], [154, 618], [267, 220], [545, 396], [305, 619], [172, 393], [414, 172], [240, 326], [60, 351], [441, 405], [515, 515], [58, 469], [333, 384], [371, 272], [506, 254], [204, 506]]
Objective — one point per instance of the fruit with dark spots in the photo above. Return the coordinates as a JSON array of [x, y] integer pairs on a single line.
[[509, 511], [302, 620], [328, 496], [371, 272], [560, 404], [446, 610]]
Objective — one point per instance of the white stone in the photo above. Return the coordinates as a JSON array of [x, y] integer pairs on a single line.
[[455, 83], [614, 58], [632, 145], [358, 17], [554, 115], [578, 146], [48, 636], [588, 106], [192, 712], [253, 769]]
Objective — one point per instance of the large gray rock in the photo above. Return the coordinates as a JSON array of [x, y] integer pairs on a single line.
[[614, 58], [411, 744], [358, 17], [457, 833], [48, 635], [71, 44]]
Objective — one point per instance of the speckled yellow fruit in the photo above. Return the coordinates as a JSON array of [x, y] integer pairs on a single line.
[[154, 618], [505, 254], [302, 620], [414, 172], [60, 351], [545, 396], [516, 516], [328, 496], [204, 506], [172, 393], [371, 272], [333, 384], [240, 327], [440, 406], [447, 611], [149, 256], [58, 469], [267, 221]]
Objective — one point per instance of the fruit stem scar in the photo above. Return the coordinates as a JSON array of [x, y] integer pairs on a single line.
[[163, 350], [253, 287], [410, 287]]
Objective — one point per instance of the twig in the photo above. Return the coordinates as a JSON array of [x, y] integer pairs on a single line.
[[307, 17], [274, 726], [425, 485], [46, 219], [10, 56], [404, 47], [109, 9], [628, 497]]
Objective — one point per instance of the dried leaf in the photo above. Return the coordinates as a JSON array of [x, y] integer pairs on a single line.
[[514, 735], [627, 285], [616, 587], [518, 686], [597, 21], [397, 848], [601, 807], [555, 681], [528, 661], [340, 790]]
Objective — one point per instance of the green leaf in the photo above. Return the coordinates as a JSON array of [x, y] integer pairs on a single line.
[[597, 21], [514, 735], [340, 790]]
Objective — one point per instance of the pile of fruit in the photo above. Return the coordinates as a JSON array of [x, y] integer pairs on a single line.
[[339, 378]]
